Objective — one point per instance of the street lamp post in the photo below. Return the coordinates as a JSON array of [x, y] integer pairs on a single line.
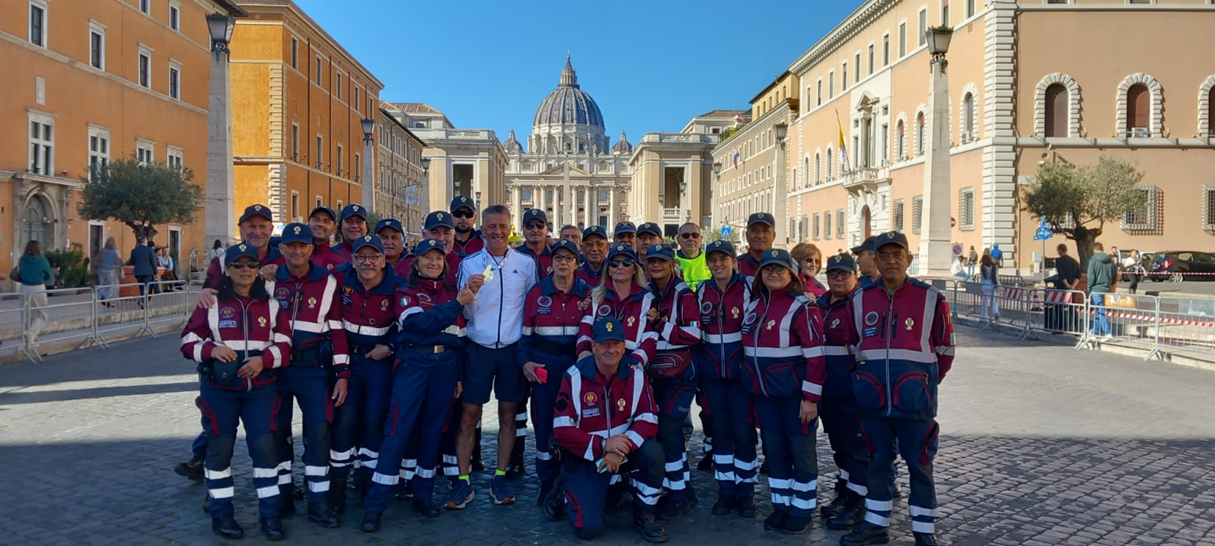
[[716, 190], [419, 194], [219, 206], [368, 167], [935, 253], [780, 197]]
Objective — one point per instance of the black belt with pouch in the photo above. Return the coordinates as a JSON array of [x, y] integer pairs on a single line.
[[223, 374]]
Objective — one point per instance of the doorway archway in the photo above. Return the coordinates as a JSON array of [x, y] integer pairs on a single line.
[[865, 224]]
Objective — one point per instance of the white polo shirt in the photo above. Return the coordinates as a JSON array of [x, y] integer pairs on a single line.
[[495, 319]]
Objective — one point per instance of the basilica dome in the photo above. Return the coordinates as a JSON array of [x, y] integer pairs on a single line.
[[568, 104]]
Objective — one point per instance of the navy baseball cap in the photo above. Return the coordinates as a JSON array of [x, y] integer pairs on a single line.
[[324, 209], [428, 245], [257, 210], [720, 245], [625, 227], [296, 232], [608, 329], [565, 244], [535, 214], [660, 251], [389, 223], [762, 218], [372, 241], [626, 250], [238, 251], [594, 230], [463, 202], [779, 257], [438, 218], [866, 245], [889, 238], [843, 262], [354, 209], [649, 227]]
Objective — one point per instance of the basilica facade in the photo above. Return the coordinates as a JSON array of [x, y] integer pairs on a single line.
[[569, 169]]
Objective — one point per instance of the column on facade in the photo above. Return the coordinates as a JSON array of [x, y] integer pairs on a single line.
[[612, 215], [517, 206], [591, 206], [567, 200]]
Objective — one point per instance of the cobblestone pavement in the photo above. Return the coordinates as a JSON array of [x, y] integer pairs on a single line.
[[1040, 445]]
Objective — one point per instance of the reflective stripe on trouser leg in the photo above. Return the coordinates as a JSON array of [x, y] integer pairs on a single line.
[[218, 474], [805, 473], [310, 387], [918, 447], [409, 467], [284, 443], [674, 397], [879, 434]]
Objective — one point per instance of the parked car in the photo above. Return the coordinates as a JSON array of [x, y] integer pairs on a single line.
[[1179, 265]]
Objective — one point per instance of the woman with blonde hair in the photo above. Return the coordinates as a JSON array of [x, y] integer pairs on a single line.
[[810, 262], [624, 294]]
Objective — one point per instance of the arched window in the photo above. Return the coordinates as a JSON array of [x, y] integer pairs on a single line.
[[919, 134], [968, 122], [818, 169], [1138, 111], [1211, 112], [900, 141], [1056, 110], [830, 166], [806, 173]]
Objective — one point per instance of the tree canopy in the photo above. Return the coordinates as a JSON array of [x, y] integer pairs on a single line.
[[1077, 201], [140, 195]]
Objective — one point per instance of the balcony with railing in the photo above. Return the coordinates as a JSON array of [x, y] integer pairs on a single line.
[[866, 179]]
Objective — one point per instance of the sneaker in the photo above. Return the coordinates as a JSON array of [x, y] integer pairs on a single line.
[[500, 491], [865, 534], [461, 494]]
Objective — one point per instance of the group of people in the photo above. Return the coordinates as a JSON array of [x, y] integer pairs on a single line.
[[607, 341]]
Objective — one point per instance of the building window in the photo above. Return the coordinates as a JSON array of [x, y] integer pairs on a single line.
[[831, 83], [839, 224], [871, 56], [966, 209], [356, 97], [1142, 218], [818, 169], [970, 8], [1208, 208], [175, 79], [1138, 111], [357, 164], [99, 150], [145, 67], [885, 143], [968, 120], [923, 28], [295, 54], [295, 205], [830, 163], [38, 23], [319, 201], [900, 141], [145, 151], [896, 216], [174, 17], [145, 6], [820, 92], [902, 40], [337, 86], [338, 205], [1056, 111], [856, 78], [1210, 109], [42, 144], [295, 142], [945, 12], [174, 157], [816, 226], [317, 75], [920, 134], [96, 46], [844, 80], [885, 50], [826, 225], [320, 152], [917, 207], [339, 160]]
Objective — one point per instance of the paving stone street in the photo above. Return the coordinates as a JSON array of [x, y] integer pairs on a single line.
[[1040, 444]]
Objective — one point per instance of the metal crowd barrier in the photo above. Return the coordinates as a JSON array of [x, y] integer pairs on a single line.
[[80, 317]]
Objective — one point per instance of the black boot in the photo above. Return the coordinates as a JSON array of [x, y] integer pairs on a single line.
[[227, 527], [745, 506], [706, 463], [925, 539], [371, 522], [286, 505], [272, 528], [841, 485], [852, 515], [515, 468], [776, 521], [796, 525], [673, 509], [192, 470], [647, 525], [337, 495], [724, 505], [865, 534], [426, 508], [842, 500], [320, 514]]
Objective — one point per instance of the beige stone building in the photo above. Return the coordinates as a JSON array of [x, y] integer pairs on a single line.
[[1029, 82], [469, 162], [672, 179], [400, 179], [570, 169]]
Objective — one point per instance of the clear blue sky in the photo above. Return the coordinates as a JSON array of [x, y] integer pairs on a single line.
[[651, 65]]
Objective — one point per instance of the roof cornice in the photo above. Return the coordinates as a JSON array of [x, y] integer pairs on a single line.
[[852, 25]]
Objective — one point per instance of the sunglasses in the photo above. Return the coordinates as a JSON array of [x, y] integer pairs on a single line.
[[534, 225], [244, 264], [462, 213], [689, 235], [774, 270], [367, 259], [838, 274], [627, 262]]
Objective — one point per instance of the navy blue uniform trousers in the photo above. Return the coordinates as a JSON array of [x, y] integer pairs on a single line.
[[734, 437], [586, 489], [222, 410], [544, 398], [310, 387], [916, 441], [359, 422], [673, 396], [790, 451]]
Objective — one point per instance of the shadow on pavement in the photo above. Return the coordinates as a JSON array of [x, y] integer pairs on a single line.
[[22, 397]]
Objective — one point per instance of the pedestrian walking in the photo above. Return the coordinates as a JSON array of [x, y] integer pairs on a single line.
[[34, 272], [144, 266], [1102, 280], [109, 271], [989, 275]]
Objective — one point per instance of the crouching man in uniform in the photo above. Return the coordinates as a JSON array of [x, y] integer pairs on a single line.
[[605, 422]]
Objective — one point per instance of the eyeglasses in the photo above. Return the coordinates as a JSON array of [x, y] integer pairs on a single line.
[[564, 258], [245, 264], [462, 213], [627, 262], [774, 270], [689, 235], [367, 259], [534, 225], [839, 274]]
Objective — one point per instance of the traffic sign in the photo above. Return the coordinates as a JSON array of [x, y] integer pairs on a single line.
[[957, 249], [953, 222], [726, 231], [1044, 232]]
